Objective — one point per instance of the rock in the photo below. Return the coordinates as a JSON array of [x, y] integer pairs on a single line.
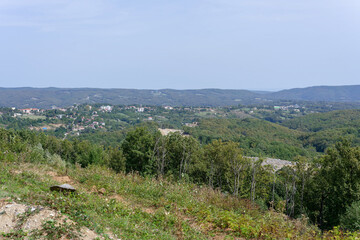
[[102, 191], [15, 217], [63, 188], [10, 212], [35, 221]]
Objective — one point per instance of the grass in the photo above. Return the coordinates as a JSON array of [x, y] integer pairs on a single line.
[[135, 207]]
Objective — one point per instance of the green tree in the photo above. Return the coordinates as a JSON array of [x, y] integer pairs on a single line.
[[117, 160], [215, 163], [138, 149], [350, 220], [237, 167], [335, 185], [182, 153]]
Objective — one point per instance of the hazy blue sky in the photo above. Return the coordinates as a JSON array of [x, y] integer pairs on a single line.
[[182, 44]]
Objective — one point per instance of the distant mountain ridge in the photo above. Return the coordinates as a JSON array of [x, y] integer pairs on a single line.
[[63, 97], [350, 93]]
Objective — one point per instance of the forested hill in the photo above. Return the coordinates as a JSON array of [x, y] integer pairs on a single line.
[[256, 137], [63, 97], [322, 121], [325, 129], [321, 93], [60, 97], [305, 136]]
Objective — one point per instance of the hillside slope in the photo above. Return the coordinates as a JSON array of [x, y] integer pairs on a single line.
[[256, 137], [321, 93], [127, 205], [321, 121], [63, 97], [325, 129], [133, 207]]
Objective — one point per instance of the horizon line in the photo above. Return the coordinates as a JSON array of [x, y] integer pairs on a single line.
[[184, 89]]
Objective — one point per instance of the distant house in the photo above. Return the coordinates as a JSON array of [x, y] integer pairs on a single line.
[[107, 108], [27, 110], [140, 109]]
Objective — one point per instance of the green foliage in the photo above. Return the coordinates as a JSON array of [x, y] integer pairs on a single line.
[[138, 148], [322, 189], [54, 230], [350, 220], [256, 137], [117, 160], [335, 184], [216, 162], [325, 129]]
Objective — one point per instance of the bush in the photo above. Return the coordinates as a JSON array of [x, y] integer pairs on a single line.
[[351, 219], [117, 160]]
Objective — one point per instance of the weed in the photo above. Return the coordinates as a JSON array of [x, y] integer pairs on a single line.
[[18, 234], [56, 230]]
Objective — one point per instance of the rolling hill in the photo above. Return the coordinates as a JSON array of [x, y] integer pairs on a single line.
[[63, 97], [60, 97], [320, 93], [256, 137], [325, 129]]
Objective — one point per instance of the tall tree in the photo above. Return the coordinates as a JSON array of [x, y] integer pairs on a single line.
[[138, 149], [335, 185]]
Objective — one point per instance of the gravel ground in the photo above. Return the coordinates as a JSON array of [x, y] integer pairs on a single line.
[[277, 164]]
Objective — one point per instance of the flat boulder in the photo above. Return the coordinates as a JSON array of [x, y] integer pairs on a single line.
[[63, 188]]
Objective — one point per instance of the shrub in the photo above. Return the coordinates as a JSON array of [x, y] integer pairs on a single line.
[[351, 219]]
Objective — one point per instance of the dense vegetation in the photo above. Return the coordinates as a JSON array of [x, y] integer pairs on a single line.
[[325, 129], [256, 137], [307, 136], [63, 97], [212, 151], [134, 207], [322, 121], [325, 189]]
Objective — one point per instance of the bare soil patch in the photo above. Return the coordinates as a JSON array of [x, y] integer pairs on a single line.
[[60, 179], [15, 217]]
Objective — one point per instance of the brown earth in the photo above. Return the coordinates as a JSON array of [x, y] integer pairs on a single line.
[[15, 217]]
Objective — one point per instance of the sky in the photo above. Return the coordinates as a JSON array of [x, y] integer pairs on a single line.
[[179, 44]]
